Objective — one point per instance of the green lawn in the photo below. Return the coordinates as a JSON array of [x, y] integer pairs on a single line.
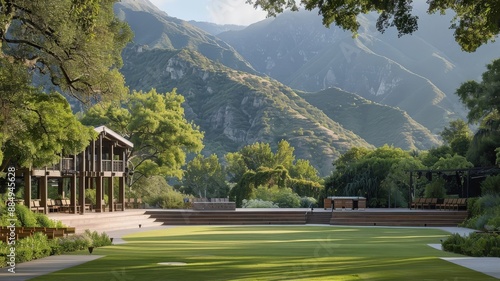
[[274, 253]]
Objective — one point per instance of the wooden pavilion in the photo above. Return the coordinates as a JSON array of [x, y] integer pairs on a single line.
[[97, 167]]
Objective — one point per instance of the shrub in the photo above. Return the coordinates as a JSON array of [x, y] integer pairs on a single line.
[[25, 216], [258, 203], [491, 185], [284, 197], [95, 239], [435, 189], [307, 202], [475, 245]]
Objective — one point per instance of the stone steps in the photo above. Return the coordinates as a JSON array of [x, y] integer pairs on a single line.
[[105, 222]]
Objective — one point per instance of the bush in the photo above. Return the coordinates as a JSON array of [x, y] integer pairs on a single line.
[[491, 185], [484, 213], [308, 202], [284, 197], [258, 203], [25, 216], [95, 239], [475, 245], [435, 189]]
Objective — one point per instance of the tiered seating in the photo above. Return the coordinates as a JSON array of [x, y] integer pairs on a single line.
[[399, 218], [188, 217], [23, 232]]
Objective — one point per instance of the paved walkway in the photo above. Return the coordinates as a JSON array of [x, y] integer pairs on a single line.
[[28, 270]]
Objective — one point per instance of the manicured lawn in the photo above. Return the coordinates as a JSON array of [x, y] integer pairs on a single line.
[[273, 253]]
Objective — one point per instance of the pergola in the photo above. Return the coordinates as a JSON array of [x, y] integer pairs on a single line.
[[97, 167]]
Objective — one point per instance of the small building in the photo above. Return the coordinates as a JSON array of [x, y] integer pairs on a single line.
[[98, 167]]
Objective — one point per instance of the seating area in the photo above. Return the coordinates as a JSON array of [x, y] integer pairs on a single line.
[[134, 203], [23, 232], [439, 203]]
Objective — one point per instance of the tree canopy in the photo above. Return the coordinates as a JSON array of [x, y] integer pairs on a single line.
[[36, 127], [75, 44], [475, 22], [156, 125]]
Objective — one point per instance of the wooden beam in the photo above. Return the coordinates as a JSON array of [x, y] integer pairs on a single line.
[[121, 192], [98, 195]]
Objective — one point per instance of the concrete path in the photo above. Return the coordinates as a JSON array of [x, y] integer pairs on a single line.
[[34, 268]]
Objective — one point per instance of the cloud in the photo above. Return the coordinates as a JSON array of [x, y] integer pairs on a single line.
[[233, 12]]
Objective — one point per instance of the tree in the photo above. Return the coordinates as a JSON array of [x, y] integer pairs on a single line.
[[75, 44], [156, 125], [475, 22], [36, 127], [458, 136], [483, 101], [205, 177], [482, 98]]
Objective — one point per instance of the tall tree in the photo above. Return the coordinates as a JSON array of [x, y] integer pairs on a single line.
[[475, 22], [76, 44], [483, 101], [156, 125], [204, 177], [458, 136]]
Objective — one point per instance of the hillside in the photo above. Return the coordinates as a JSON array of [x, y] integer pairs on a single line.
[[377, 124], [235, 108], [416, 73]]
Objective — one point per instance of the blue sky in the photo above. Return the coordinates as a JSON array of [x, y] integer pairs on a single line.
[[216, 11]]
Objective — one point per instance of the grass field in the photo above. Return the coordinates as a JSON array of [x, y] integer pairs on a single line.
[[273, 253]]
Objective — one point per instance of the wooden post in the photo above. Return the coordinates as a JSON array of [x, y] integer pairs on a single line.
[[27, 188], [122, 192], [73, 194], [43, 193], [82, 183], [111, 194], [98, 194]]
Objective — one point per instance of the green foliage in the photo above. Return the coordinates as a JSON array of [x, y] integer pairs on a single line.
[[156, 125], [454, 162], [482, 151], [457, 136], [37, 127], [434, 154], [156, 192], [283, 197], [481, 98], [90, 196], [484, 213], [474, 245], [95, 239], [205, 178], [76, 44], [435, 189], [258, 203], [25, 216], [308, 202], [491, 185], [474, 23]]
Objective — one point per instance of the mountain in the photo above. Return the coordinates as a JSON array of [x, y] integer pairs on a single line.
[[215, 29], [236, 108], [154, 29], [376, 123], [416, 73]]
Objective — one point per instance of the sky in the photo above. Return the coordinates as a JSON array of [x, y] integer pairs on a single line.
[[216, 11]]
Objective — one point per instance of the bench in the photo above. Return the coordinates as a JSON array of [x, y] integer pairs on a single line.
[[35, 206]]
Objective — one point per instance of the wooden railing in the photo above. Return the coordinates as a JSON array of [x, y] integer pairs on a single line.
[[112, 166]]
